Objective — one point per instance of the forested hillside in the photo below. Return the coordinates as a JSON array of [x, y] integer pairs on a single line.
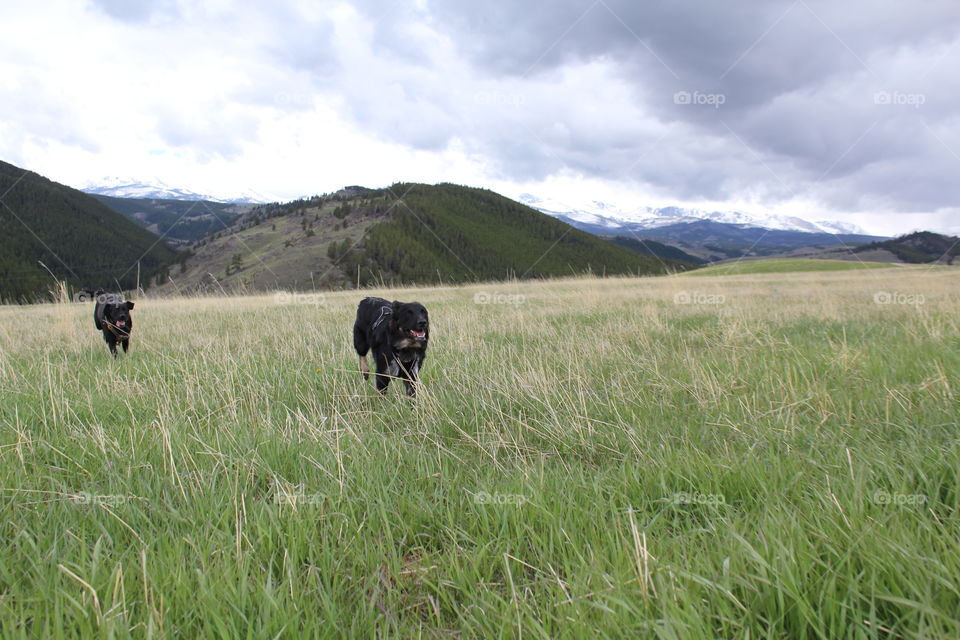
[[919, 247], [455, 234], [79, 239]]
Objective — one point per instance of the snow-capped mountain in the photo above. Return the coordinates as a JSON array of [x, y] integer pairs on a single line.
[[158, 190], [603, 215]]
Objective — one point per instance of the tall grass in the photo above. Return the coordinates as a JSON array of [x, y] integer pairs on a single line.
[[761, 456]]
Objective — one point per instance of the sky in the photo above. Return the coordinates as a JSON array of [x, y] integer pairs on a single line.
[[821, 109]]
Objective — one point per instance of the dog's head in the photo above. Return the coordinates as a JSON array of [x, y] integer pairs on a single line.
[[116, 312], [410, 320]]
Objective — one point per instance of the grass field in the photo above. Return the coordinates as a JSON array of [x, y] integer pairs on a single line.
[[769, 456], [786, 265]]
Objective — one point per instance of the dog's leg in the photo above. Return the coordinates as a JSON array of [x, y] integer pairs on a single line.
[[362, 347], [111, 342], [386, 369], [409, 373], [126, 345]]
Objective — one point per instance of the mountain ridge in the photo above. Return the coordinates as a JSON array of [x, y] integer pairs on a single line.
[[178, 222], [155, 189], [602, 214]]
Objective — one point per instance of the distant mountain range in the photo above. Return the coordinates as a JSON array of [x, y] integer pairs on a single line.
[[603, 215], [178, 222], [157, 190], [710, 235]]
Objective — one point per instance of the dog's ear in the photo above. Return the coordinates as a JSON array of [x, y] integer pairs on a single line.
[[395, 307], [130, 305]]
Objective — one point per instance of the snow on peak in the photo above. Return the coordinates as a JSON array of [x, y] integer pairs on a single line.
[[601, 213], [121, 187]]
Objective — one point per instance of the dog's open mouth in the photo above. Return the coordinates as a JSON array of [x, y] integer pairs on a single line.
[[418, 335]]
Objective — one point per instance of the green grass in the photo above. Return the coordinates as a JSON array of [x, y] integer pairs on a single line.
[[767, 458], [785, 265]]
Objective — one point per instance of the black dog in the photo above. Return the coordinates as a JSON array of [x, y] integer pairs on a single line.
[[112, 316], [398, 333]]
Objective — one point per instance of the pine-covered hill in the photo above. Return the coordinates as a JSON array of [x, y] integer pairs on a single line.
[[406, 234], [920, 247], [78, 238], [456, 234]]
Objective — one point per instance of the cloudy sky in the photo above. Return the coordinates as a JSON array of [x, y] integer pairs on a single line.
[[818, 108]]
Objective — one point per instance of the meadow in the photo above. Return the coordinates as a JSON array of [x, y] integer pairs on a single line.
[[766, 455]]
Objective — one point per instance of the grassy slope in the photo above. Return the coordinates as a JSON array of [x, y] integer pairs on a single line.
[[277, 253], [592, 460], [785, 265]]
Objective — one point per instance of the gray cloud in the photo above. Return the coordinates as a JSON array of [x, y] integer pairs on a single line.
[[800, 86]]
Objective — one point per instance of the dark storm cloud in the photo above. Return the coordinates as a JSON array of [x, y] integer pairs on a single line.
[[751, 50], [786, 98]]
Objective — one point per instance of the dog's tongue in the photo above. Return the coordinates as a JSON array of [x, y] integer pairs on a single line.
[[418, 334]]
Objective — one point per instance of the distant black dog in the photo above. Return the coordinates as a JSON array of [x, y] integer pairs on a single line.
[[398, 333], [112, 316]]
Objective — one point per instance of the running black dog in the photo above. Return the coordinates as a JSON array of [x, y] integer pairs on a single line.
[[398, 333], [112, 316]]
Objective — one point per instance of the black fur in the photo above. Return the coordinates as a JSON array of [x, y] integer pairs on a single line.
[[111, 315], [398, 333]]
